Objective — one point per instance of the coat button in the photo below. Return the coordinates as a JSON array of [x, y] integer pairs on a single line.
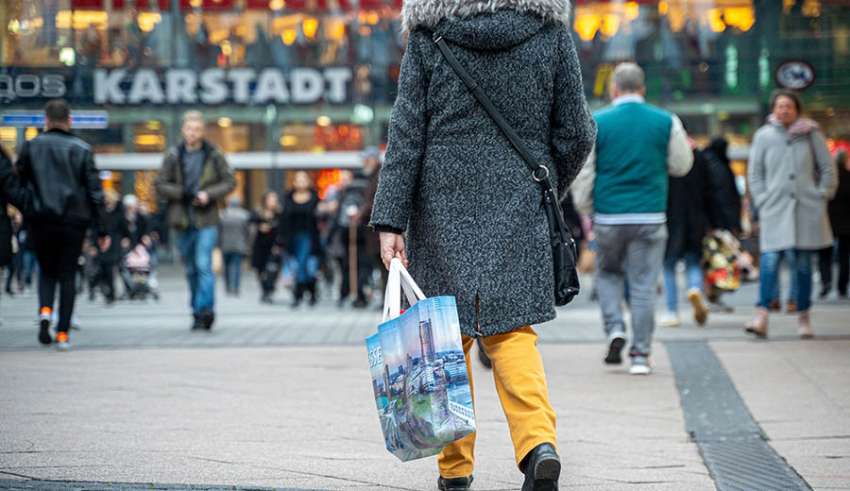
[[792, 196], [791, 177]]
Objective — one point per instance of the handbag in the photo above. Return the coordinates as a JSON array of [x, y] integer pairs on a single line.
[[564, 251]]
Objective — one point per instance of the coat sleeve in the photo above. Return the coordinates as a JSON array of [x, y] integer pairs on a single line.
[[755, 173], [12, 183], [94, 192], [166, 182], [680, 157], [573, 127], [826, 166], [582, 188], [399, 175], [226, 182]]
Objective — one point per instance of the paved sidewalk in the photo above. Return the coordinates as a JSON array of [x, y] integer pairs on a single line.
[[281, 399], [305, 418]]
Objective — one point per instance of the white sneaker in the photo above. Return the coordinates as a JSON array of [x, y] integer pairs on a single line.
[[670, 319], [640, 366]]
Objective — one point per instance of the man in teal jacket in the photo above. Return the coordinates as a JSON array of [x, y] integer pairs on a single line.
[[624, 186]]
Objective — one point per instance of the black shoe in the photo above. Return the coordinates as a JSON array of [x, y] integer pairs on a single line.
[[482, 356], [454, 484], [824, 292], [44, 332], [615, 350], [360, 303], [542, 468], [197, 323], [311, 290], [207, 320]]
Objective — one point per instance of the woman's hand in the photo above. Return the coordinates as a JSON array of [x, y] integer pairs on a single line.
[[392, 245]]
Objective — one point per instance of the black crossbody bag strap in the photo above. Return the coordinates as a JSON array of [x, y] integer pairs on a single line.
[[540, 173], [564, 254]]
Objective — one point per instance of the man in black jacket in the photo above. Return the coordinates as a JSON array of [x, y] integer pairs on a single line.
[[57, 170]]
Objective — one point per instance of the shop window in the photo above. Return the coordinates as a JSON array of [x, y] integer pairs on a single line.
[[149, 136], [324, 136]]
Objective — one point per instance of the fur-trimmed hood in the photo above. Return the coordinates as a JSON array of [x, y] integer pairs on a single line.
[[429, 13]]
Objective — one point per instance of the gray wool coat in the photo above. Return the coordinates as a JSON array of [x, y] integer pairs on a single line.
[[791, 177], [471, 211]]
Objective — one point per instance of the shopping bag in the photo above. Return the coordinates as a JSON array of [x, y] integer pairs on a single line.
[[418, 370], [720, 256]]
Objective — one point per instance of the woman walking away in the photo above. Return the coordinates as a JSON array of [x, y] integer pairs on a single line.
[[839, 214], [265, 256], [470, 208], [688, 205], [791, 179], [300, 235]]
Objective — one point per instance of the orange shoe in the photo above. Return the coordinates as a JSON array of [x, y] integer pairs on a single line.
[[62, 341]]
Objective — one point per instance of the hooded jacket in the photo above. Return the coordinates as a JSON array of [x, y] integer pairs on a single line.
[[472, 213]]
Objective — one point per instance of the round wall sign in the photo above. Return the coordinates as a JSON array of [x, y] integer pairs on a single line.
[[795, 75]]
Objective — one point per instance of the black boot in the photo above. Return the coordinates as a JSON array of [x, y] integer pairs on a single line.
[[542, 468], [297, 295], [454, 484], [311, 289]]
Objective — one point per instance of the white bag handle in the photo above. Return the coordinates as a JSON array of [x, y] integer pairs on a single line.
[[399, 279]]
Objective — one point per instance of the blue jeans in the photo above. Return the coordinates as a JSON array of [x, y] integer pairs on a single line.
[[693, 274], [306, 264], [233, 270], [788, 257], [800, 262], [196, 247]]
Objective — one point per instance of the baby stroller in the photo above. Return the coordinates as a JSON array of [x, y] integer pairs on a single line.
[[136, 274]]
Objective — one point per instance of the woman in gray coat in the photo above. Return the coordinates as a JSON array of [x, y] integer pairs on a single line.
[[792, 177], [472, 214]]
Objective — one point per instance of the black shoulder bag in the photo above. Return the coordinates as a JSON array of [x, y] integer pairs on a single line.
[[563, 246]]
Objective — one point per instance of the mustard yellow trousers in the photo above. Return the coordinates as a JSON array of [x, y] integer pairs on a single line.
[[521, 385]]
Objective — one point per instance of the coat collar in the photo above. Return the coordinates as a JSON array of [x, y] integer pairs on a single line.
[[429, 13]]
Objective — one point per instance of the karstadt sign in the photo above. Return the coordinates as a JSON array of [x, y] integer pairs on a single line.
[[218, 86], [145, 86]]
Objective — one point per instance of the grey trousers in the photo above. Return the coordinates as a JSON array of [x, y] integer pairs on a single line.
[[633, 254]]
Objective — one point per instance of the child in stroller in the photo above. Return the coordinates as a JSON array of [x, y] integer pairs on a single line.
[[136, 272]]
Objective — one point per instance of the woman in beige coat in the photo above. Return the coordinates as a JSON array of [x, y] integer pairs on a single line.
[[792, 177]]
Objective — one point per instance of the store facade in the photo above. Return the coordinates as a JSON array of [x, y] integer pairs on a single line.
[[310, 83]]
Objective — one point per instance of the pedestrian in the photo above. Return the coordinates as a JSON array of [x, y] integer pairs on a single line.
[[299, 235], [689, 203], [348, 240], [725, 210], [724, 213], [195, 177], [792, 177], [839, 216], [58, 169], [16, 265], [7, 232], [469, 206], [625, 186], [370, 253], [235, 228], [137, 227], [266, 254], [114, 226]]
